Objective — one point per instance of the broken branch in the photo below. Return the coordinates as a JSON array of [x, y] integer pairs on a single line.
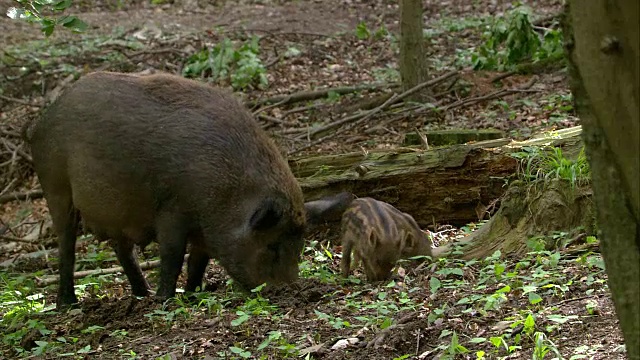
[[53, 279], [19, 196], [317, 94]]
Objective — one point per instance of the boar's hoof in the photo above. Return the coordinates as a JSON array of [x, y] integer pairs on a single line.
[[65, 302], [163, 295]]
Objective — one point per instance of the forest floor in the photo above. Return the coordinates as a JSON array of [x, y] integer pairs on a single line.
[[544, 305]]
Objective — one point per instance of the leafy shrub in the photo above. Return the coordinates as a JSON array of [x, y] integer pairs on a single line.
[[35, 11], [513, 39], [240, 65]]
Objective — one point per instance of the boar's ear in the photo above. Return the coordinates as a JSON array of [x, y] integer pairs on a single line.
[[267, 215], [329, 208]]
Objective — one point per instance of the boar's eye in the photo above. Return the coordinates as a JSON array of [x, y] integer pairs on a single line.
[[267, 215]]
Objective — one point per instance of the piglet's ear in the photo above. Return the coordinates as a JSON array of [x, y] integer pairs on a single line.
[[267, 215], [327, 209]]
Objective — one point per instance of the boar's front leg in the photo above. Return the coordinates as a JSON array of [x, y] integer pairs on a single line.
[[126, 256], [65, 222], [171, 230], [197, 264]]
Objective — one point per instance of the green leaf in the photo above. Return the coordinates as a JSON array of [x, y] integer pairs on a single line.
[[362, 32], [534, 298], [47, 27], [529, 324], [478, 340], [62, 5], [73, 23], [85, 349], [242, 317], [434, 284]]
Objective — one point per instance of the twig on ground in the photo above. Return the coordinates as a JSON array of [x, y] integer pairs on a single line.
[[155, 52], [316, 94], [275, 120], [263, 109], [19, 196], [359, 121], [17, 148], [382, 335], [503, 76], [274, 61], [301, 109], [18, 101], [17, 239], [53, 279], [8, 187], [360, 118], [42, 253], [493, 95]]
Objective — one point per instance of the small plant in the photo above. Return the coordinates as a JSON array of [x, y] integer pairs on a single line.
[[36, 11], [542, 347], [536, 163], [513, 39], [362, 32], [224, 62]]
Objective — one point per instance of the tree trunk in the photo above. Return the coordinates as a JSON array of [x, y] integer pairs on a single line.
[[413, 60], [441, 185], [602, 43]]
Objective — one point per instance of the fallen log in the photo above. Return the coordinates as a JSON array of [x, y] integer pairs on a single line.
[[440, 185]]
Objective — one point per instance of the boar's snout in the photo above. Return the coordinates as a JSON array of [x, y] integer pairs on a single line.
[[268, 248], [274, 263]]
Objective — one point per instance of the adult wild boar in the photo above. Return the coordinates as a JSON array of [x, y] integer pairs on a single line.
[[161, 157]]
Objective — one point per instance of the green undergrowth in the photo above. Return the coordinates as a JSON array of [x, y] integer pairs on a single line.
[[519, 302], [550, 163]]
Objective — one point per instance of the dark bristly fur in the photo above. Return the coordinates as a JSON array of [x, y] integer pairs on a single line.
[[378, 234], [160, 157]]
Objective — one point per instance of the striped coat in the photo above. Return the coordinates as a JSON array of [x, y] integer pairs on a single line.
[[378, 235]]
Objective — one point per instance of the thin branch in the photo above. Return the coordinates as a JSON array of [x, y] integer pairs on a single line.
[[263, 109], [397, 98], [275, 120], [19, 196], [17, 239], [147, 265], [316, 94], [366, 117], [19, 101], [493, 95]]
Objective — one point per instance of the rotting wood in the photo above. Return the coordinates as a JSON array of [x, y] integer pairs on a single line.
[[441, 185]]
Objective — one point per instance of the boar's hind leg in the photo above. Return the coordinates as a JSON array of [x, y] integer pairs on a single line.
[[126, 256], [65, 221], [171, 233], [196, 265]]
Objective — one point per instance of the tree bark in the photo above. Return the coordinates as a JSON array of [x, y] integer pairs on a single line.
[[413, 60], [602, 43], [441, 185]]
